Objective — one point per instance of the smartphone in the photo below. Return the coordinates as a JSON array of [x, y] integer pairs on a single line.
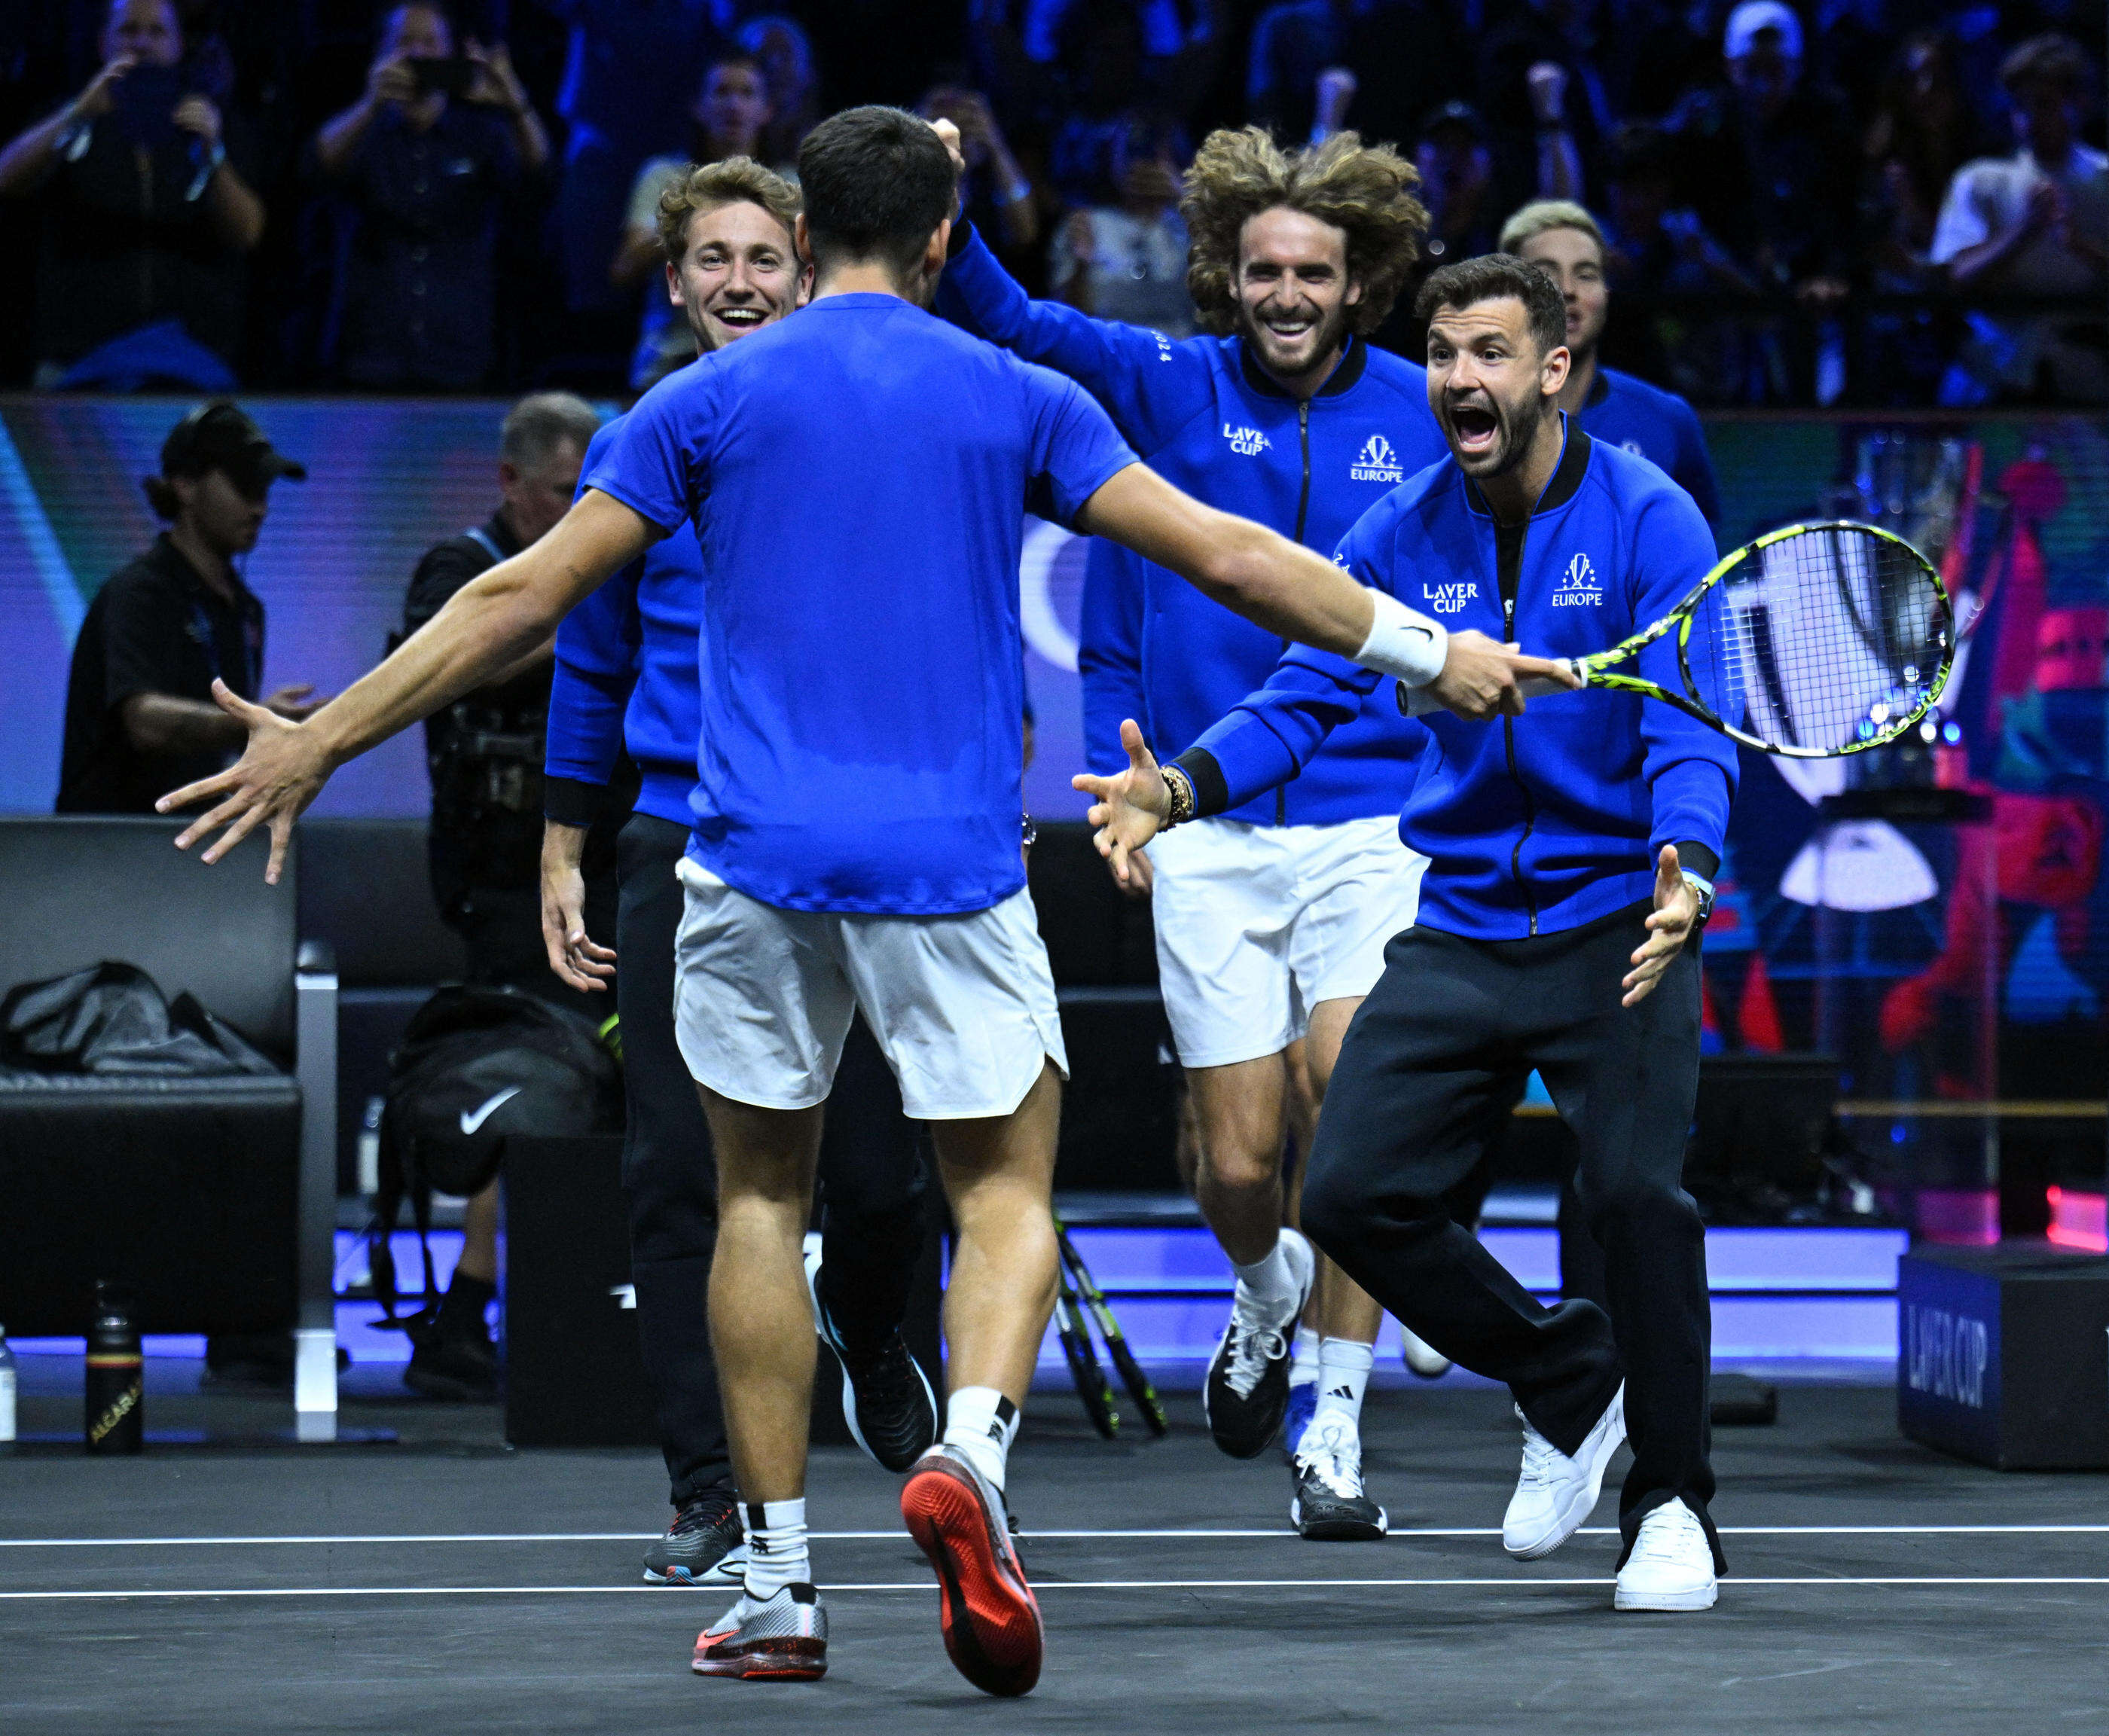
[[141, 103], [450, 78]]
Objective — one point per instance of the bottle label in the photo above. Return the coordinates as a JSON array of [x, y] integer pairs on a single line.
[[126, 1401]]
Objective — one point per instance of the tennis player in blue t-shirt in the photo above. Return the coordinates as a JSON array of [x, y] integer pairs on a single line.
[[855, 477]]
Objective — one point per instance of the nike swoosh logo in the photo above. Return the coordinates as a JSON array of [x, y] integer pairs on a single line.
[[471, 1120]]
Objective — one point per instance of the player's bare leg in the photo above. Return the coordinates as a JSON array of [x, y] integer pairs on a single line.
[[999, 1175], [761, 1333], [1330, 1502], [1240, 1113]]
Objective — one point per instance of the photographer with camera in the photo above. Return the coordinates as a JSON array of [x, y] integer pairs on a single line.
[[486, 755], [146, 218], [428, 175]]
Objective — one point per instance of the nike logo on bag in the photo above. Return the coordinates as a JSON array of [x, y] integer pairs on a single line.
[[471, 1120]]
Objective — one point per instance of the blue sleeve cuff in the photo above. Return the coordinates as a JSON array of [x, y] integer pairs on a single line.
[[1692, 800]]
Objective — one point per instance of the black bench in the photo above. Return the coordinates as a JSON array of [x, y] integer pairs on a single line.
[[213, 1199]]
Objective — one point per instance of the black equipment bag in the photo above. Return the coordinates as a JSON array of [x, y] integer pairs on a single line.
[[111, 1019], [476, 1064]]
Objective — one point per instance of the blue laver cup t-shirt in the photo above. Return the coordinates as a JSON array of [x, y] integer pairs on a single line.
[[858, 475]]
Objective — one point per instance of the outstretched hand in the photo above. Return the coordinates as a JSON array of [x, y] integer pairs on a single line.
[[1128, 809], [281, 771], [1669, 925]]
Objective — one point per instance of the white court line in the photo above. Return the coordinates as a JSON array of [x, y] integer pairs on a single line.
[[1511, 1583], [1030, 1537]]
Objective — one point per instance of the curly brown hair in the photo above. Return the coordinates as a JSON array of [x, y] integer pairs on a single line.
[[1366, 190], [729, 181]]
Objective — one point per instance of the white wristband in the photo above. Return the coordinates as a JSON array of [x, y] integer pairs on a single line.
[[1404, 642]]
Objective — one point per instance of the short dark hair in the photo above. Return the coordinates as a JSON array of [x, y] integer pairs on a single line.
[[876, 182], [1495, 276]]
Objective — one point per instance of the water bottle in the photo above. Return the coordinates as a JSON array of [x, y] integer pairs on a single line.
[[116, 1375], [6, 1394]]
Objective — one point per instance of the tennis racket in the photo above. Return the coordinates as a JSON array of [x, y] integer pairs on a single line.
[[1132, 1374], [1814, 641], [1084, 1367]]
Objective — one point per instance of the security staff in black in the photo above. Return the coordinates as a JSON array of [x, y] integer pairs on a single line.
[[484, 751], [140, 720]]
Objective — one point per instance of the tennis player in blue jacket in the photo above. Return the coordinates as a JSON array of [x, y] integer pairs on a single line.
[[1571, 852], [1271, 916]]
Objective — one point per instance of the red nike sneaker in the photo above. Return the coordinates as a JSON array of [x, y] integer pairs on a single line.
[[991, 1620], [778, 1638]]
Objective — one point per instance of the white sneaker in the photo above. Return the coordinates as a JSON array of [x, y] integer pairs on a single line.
[[1421, 1357], [1554, 1494], [1672, 1564]]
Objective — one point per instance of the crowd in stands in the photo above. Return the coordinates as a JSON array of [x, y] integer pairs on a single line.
[[1856, 202]]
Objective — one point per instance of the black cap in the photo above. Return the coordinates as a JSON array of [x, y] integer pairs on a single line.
[[220, 436]]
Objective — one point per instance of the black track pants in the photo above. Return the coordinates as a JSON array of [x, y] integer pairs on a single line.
[[871, 1176], [1434, 1062]]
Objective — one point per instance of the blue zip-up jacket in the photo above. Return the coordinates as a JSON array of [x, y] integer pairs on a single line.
[[1547, 821], [1660, 427], [627, 676], [1202, 415]]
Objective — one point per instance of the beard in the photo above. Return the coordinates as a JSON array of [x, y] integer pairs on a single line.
[[1324, 338], [1513, 425]]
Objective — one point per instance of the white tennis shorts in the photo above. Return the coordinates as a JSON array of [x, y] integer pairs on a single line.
[[1256, 925], [963, 1006]]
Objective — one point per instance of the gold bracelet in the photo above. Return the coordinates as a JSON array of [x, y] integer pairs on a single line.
[[1179, 787]]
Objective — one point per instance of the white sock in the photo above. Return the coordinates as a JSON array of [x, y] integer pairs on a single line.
[[1303, 1365], [776, 1551], [1344, 1376], [1272, 1279], [981, 1423]]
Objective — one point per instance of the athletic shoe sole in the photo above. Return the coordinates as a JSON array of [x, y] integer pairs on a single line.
[[1339, 1527], [728, 1569], [1578, 1509], [765, 1661], [990, 1618], [1701, 1598]]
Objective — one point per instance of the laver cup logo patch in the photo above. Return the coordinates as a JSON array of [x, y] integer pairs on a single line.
[[1449, 599], [1578, 585], [1247, 442], [1375, 463]]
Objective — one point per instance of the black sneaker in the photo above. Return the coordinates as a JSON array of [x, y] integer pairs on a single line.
[[1247, 1392], [458, 1367], [887, 1399], [1330, 1505], [703, 1546]]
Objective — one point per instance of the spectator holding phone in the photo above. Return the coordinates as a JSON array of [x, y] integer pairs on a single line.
[[146, 218], [427, 157]]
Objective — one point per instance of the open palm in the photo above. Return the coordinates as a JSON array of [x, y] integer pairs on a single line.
[[1127, 808]]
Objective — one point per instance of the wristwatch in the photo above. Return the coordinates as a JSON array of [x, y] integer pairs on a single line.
[[1703, 889]]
